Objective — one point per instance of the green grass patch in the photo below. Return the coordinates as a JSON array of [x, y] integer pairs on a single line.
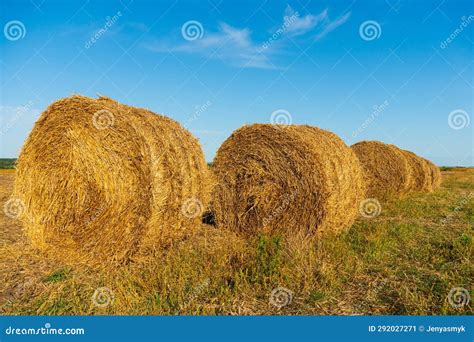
[[56, 276], [7, 163]]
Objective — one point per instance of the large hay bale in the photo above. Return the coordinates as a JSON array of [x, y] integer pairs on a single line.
[[435, 175], [420, 173], [385, 167], [437, 178], [428, 186], [293, 180], [102, 180]]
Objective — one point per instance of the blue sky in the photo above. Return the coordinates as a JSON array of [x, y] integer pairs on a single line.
[[396, 71]]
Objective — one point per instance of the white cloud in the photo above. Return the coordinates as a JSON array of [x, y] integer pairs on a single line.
[[331, 26], [301, 25], [229, 44], [226, 35], [235, 45]]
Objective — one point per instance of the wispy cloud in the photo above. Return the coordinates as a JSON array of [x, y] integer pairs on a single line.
[[321, 23], [301, 25], [229, 44], [236, 47], [331, 26], [226, 35]]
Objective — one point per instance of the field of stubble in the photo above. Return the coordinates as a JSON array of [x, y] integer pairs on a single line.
[[405, 261]]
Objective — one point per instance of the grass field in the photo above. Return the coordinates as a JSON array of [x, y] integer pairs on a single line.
[[405, 261]]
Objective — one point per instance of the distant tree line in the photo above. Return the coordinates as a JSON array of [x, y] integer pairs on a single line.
[[7, 163]]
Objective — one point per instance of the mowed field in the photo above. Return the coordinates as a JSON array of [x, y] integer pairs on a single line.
[[404, 261]]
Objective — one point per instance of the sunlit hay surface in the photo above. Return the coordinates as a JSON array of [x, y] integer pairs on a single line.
[[420, 172], [101, 181], [437, 179], [434, 175], [294, 180], [385, 169]]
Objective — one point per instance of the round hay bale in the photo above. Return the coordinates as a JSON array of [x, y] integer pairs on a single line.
[[428, 185], [385, 168], [294, 180], [104, 180], [435, 174], [437, 178], [420, 180]]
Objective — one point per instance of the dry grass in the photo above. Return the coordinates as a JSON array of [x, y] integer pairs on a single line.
[[84, 210], [404, 261]]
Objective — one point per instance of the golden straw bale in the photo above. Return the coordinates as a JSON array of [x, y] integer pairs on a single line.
[[420, 180], [286, 179], [385, 168], [437, 178], [102, 180], [434, 175]]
